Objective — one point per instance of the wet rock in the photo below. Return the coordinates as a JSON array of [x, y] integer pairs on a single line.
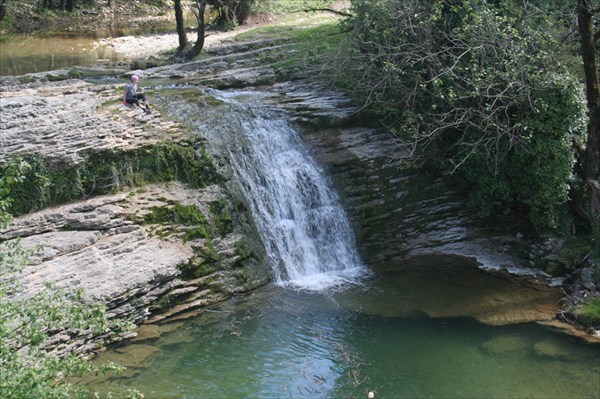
[[504, 344], [147, 332], [178, 337], [134, 355], [445, 286], [552, 348], [399, 211]]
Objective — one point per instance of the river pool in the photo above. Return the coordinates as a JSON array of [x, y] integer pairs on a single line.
[[279, 343]]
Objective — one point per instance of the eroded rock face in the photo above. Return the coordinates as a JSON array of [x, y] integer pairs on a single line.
[[105, 245], [101, 246], [67, 122], [400, 212]]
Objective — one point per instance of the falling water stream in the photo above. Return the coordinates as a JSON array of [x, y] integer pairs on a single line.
[[303, 226], [328, 329]]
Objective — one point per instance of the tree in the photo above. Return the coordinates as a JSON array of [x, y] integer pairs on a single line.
[[231, 13], [180, 26], [199, 44], [588, 38], [474, 89], [183, 51], [2, 9]]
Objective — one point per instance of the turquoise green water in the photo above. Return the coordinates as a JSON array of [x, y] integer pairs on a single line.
[[278, 343]]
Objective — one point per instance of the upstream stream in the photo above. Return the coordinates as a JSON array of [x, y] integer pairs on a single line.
[[328, 328]]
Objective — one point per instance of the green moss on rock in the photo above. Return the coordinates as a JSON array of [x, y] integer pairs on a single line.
[[223, 217], [109, 172], [589, 313], [204, 262], [176, 215]]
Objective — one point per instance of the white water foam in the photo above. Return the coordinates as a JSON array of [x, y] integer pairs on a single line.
[[304, 228]]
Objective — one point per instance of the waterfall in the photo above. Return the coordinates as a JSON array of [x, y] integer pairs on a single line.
[[304, 228]]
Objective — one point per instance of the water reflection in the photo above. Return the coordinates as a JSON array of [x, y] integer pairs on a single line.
[[27, 54]]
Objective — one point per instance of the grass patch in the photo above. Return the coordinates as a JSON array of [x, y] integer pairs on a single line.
[[26, 79], [309, 46]]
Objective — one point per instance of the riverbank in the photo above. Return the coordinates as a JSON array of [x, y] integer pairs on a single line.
[[92, 18]]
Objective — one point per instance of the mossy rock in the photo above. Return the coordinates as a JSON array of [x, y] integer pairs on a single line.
[[107, 172]]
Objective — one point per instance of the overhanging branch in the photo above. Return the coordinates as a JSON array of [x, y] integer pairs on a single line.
[[330, 10]]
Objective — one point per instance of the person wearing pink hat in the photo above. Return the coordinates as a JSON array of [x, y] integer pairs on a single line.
[[132, 97]]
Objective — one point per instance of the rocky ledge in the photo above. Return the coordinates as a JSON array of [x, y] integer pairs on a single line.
[[101, 247], [131, 247]]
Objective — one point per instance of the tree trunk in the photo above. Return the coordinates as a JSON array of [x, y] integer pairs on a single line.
[[180, 26], [201, 4], [2, 9], [592, 82]]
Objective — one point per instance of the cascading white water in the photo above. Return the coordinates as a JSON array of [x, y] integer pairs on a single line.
[[305, 230]]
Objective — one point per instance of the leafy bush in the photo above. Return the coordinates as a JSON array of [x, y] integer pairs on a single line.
[[474, 89]]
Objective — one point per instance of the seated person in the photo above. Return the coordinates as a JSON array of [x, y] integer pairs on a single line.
[[132, 97]]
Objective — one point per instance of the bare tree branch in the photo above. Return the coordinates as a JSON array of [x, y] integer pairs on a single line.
[[329, 10]]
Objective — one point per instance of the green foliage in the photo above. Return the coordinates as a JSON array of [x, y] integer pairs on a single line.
[[26, 327], [27, 324], [477, 90], [26, 79], [202, 263], [223, 217], [45, 185], [11, 174], [231, 13], [56, 78], [575, 249], [7, 23], [74, 74], [179, 215], [589, 313]]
